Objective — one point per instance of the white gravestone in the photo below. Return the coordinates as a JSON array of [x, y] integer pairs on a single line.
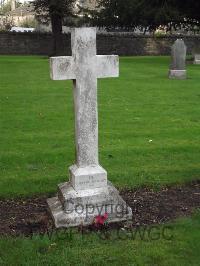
[[197, 59], [88, 192], [178, 60]]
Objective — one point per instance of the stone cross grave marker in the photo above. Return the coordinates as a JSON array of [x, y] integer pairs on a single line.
[[178, 60], [88, 193]]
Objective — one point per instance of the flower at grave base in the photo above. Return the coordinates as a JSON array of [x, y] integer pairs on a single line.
[[100, 219]]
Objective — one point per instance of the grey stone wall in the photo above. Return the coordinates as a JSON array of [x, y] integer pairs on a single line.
[[111, 43]]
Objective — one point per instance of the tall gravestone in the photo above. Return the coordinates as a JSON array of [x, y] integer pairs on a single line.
[[88, 192], [178, 60]]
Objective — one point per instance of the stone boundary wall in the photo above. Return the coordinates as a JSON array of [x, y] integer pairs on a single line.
[[124, 44]]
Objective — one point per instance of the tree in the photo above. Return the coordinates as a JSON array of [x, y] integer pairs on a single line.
[[145, 14], [191, 11], [54, 11], [114, 14], [157, 13], [5, 8]]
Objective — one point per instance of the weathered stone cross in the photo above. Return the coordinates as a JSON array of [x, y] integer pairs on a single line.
[[84, 67], [88, 185]]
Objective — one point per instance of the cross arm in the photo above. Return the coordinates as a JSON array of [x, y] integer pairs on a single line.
[[62, 68], [107, 66]]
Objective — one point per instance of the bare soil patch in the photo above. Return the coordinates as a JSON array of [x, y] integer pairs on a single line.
[[27, 216]]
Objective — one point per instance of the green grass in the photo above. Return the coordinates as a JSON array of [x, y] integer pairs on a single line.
[[37, 147], [37, 125], [181, 250]]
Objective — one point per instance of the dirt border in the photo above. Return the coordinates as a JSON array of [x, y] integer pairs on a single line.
[[27, 216]]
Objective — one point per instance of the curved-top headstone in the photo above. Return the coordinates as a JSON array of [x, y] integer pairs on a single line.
[[178, 60]]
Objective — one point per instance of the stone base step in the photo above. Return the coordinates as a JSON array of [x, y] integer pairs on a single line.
[[85, 206]]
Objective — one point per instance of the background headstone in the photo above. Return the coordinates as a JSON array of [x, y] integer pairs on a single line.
[[196, 53], [178, 60]]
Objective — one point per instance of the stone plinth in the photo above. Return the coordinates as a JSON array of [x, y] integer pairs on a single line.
[[177, 74], [73, 208]]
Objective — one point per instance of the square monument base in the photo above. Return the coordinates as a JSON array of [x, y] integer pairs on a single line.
[[87, 177], [177, 74], [73, 208]]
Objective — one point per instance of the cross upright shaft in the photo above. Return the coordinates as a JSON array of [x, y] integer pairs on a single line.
[[85, 98], [84, 67]]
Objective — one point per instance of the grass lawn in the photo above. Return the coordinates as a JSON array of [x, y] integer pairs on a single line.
[[148, 135], [37, 125], [63, 249]]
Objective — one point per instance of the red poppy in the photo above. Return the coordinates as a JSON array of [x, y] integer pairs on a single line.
[[100, 219]]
